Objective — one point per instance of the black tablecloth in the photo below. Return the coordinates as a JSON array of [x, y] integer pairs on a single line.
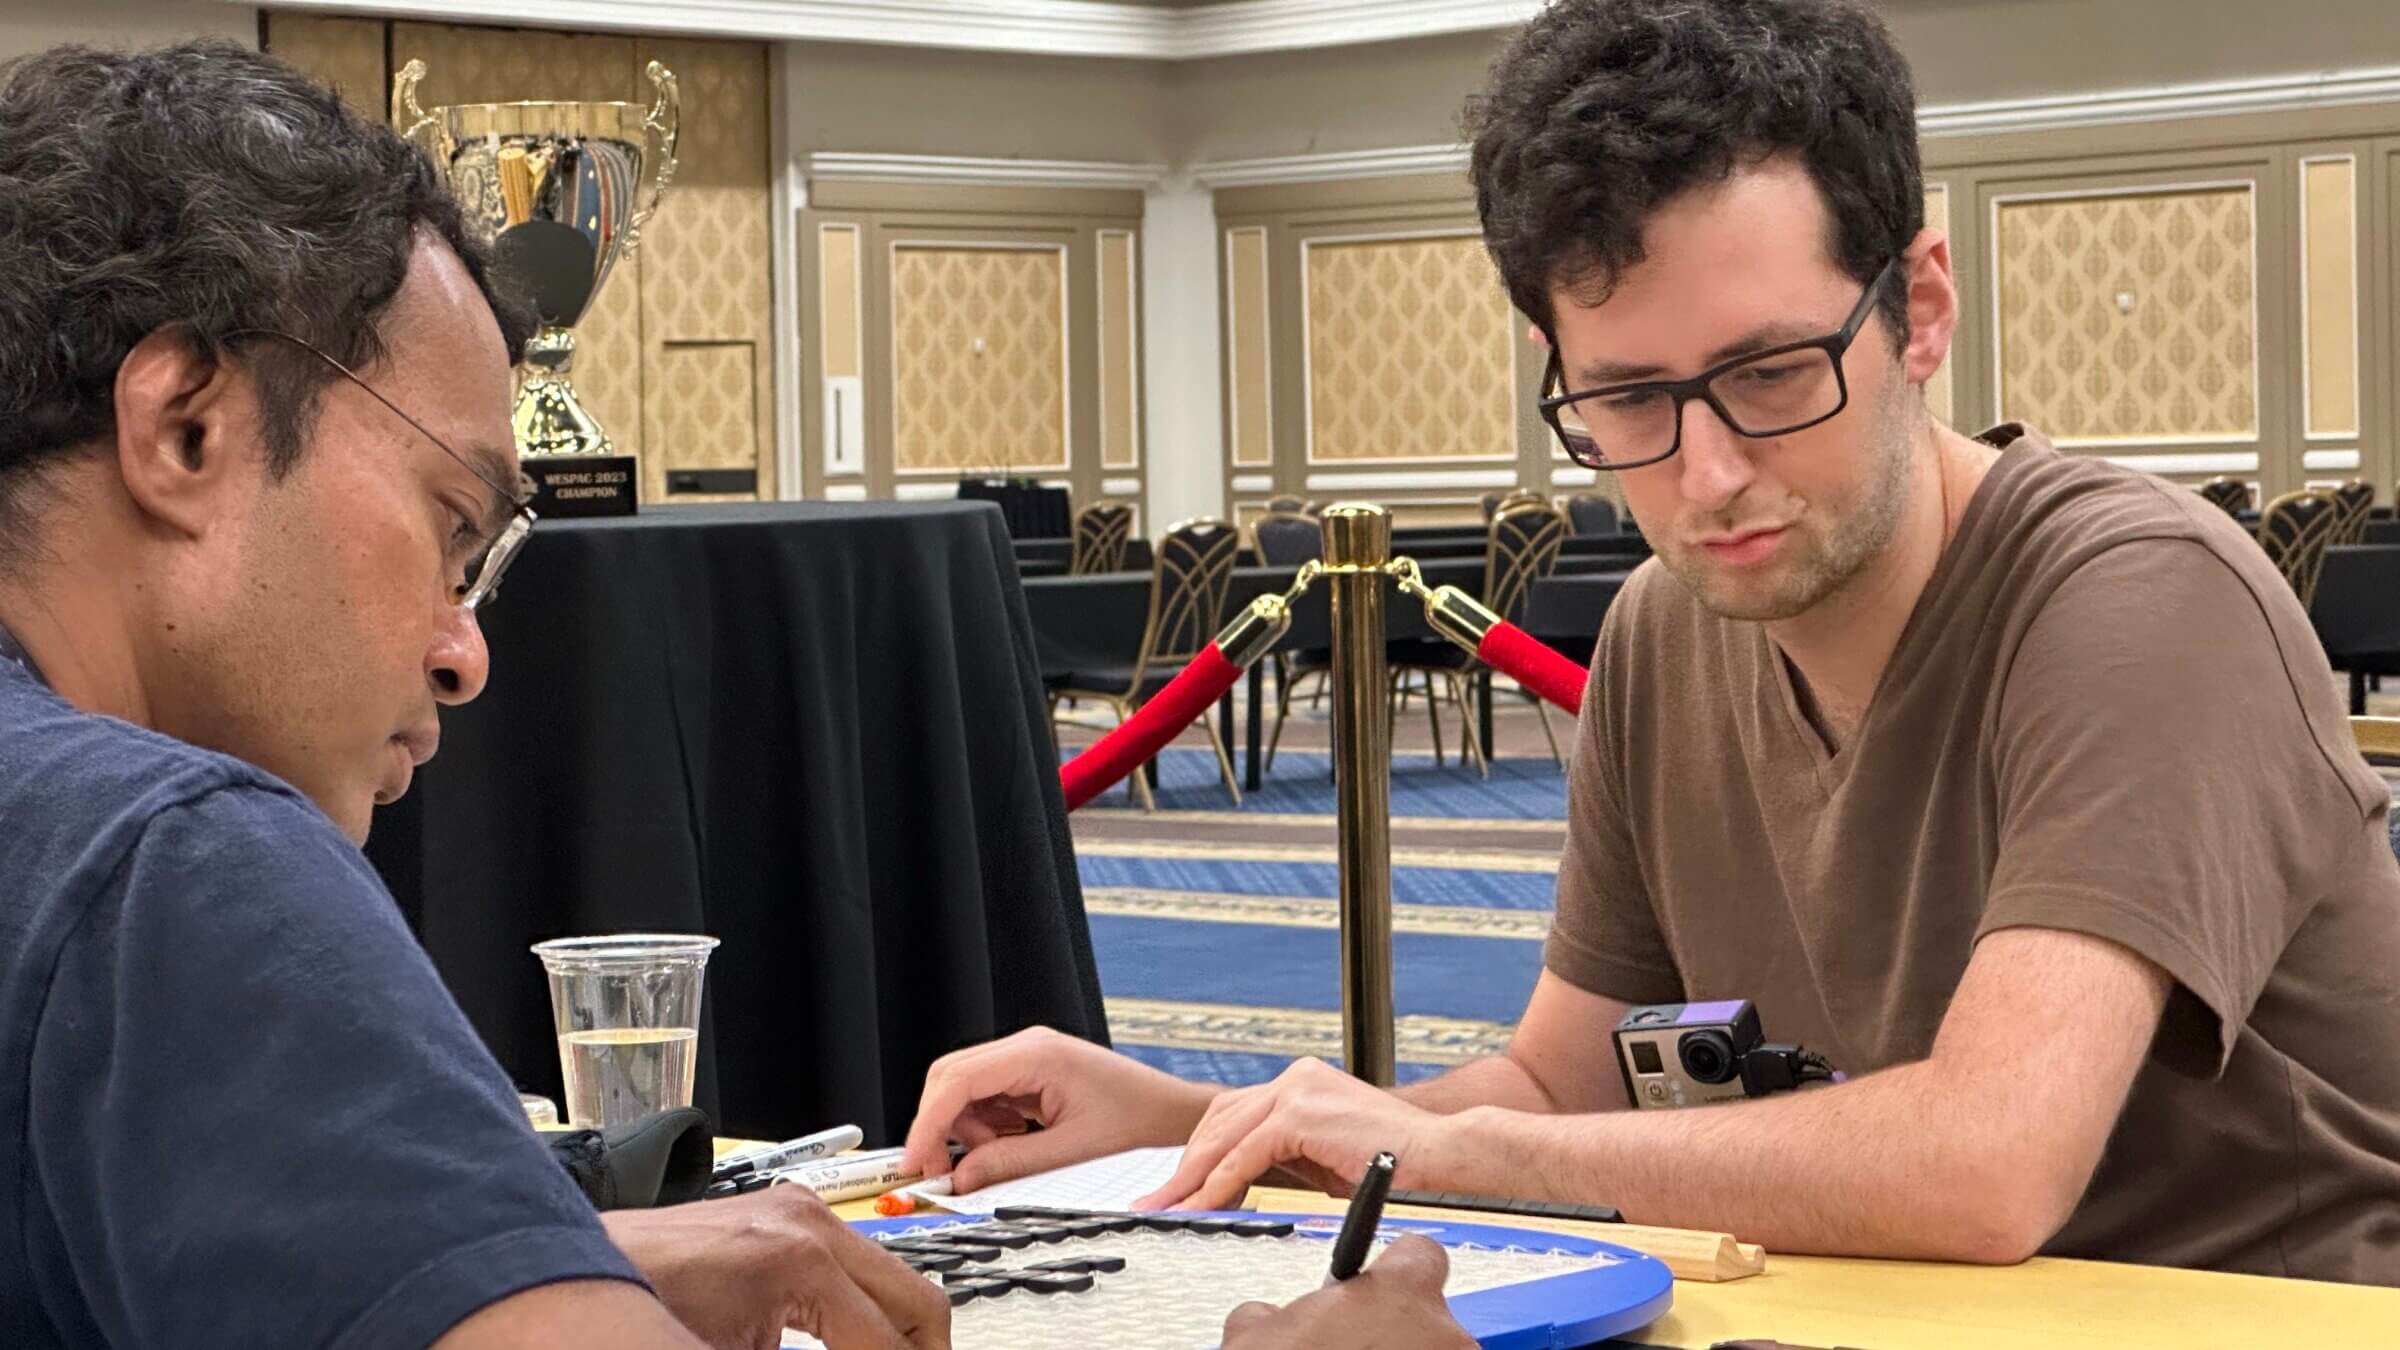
[[1031, 510], [813, 730], [1057, 554], [1565, 611], [2356, 613]]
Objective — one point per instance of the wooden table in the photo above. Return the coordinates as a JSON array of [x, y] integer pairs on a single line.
[[2046, 1302]]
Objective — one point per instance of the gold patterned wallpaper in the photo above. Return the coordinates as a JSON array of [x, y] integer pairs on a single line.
[[2130, 318], [345, 53], [1411, 352], [706, 278], [979, 370], [694, 301]]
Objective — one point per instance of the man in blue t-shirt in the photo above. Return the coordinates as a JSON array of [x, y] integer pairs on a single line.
[[256, 479]]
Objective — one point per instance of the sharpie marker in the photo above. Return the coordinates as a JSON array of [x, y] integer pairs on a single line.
[[807, 1148], [852, 1178]]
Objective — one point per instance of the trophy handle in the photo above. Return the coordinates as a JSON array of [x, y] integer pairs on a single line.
[[414, 121], [664, 122]]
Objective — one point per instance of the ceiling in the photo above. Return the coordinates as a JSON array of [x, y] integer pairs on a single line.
[[1156, 30]]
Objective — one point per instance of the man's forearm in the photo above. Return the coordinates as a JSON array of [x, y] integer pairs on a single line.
[[1495, 1080], [1890, 1165]]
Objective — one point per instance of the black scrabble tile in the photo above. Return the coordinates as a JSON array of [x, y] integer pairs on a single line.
[[969, 1290], [1055, 1283], [1002, 1235]]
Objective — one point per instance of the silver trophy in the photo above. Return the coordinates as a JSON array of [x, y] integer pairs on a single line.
[[552, 186]]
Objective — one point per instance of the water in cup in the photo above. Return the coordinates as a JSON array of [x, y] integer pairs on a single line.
[[625, 1073], [627, 1010]]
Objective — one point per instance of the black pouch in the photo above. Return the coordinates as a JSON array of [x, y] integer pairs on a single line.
[[661, 1159]]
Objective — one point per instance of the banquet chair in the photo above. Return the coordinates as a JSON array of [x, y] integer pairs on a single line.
[[2230, 495], [1101, 531], [2295, 530], [2356, 498], [1288, 539], [1591, 513], [1190, 576], [1521, 547]]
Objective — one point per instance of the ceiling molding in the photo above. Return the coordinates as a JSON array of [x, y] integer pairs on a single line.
[[962, 171], [2284, 93], [1230, 29], [1045, 27], [1327, 168]]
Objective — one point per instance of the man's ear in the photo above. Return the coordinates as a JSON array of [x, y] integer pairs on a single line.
[[1932, 305], [184, 429]]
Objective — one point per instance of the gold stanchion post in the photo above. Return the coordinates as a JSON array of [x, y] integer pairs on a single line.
[[1358, 542]]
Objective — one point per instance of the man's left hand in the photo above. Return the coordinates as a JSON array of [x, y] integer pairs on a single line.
[[1313, 1121]]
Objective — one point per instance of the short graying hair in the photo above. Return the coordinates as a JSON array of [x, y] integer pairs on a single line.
[[206, 188]]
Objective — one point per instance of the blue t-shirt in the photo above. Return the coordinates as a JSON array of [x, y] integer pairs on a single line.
[[251, 1115]]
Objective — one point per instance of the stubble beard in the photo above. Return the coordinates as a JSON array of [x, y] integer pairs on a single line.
[[1826, 552]]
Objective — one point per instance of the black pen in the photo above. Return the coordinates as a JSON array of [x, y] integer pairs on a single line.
[[1366, 1214]]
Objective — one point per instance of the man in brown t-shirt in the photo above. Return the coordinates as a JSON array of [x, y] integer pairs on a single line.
[[2013, 783]]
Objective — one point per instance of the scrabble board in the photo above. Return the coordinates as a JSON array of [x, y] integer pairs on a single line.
[[1038, 1280]]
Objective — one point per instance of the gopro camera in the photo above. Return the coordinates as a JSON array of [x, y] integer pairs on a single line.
[[1686, 1054]]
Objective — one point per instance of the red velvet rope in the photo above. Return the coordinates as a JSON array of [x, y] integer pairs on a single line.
[[1530, 662], [1142, 736]]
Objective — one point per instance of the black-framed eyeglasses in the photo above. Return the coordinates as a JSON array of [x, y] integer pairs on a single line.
[[1771, 393], [486, 565]]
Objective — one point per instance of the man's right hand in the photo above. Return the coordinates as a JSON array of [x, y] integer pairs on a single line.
[[1395, 1304], [1089, 1102], [737, 1272]]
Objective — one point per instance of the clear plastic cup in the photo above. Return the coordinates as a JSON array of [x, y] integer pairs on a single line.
[[627, 1009]]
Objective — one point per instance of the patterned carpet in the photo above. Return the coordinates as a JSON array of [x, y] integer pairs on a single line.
[[1216, 928]]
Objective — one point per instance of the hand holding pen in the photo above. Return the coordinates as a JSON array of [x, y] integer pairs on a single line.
[[1395, 1305]]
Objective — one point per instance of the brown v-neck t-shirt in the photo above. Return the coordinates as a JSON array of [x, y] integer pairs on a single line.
[[2108, 715]]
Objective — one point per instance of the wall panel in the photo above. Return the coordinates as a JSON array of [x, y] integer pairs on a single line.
[[2130, 318], [979, 362], [1411, 351], [1249, 336], [1120, 323], [2329, 296], [706, 279]]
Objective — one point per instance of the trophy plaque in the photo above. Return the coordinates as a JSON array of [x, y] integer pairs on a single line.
[[551, 186]]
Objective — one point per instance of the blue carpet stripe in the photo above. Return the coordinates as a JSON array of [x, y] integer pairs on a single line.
[[1483, 978], [1410, 885], [1220, 963], [1135, 902]]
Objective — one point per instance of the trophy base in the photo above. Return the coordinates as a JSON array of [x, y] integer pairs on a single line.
[[574, 486]]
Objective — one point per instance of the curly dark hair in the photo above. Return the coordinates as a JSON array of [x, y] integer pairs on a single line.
[[202, 186], [1600, 111]]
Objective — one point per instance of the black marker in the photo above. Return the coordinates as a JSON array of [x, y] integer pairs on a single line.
[[1366, 1213]]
